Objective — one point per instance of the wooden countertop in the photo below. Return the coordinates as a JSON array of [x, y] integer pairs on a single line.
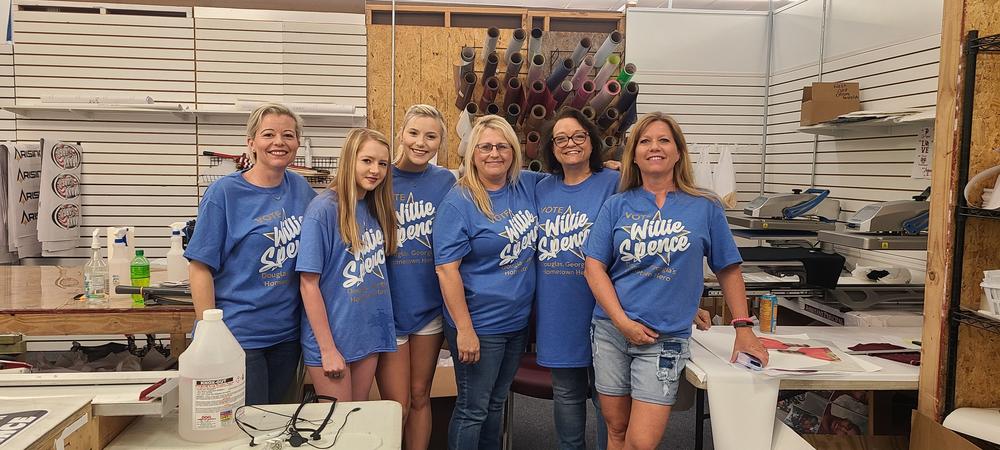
[[30, 289]]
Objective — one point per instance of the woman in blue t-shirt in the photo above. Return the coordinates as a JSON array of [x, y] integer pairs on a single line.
[[347, 233], [644, 267], [244, 248], [419, 186], [484, 239]]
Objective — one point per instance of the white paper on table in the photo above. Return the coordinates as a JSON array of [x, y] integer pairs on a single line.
[[719, 341], [59, 209], [24, 164]]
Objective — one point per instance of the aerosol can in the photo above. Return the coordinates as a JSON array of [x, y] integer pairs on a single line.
[[177, 264], [212, 382]]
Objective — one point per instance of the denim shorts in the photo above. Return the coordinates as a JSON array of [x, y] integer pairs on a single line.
[[649, 373]]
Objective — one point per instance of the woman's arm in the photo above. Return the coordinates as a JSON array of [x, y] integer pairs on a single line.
[[734, 291], [202, 287], [604, 291], [453, 291], [312, 299]]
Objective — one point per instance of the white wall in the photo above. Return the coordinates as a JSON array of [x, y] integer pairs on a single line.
[[890, 48], [707, 70], [142, 169]]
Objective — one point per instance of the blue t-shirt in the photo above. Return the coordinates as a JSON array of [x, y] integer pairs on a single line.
[[354, 287], [565, 303], [654, 255], [416, 294], [249, 236], [498, 257]]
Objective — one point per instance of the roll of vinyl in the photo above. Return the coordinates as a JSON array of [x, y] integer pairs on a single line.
[[561, 93], [602, 99], [492, 61], [467, 85], [513, 114], [538, 94], [514, 62], [588, 112], [467, 56], [610, 142], [627, 73], [472, 109], [513, 93], [583, 94], [516, 41], [492, 35], [535, 44], [492, 108], [535, 165], [627, 119], [583, 71], [607, 48], [531, 144], [490, 89], [608, 118], [610, 68], [581, 50], [627, 97], [536, 69], [535, 117], [559, 73]]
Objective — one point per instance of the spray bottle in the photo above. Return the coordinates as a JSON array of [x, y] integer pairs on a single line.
[[95, 274], [120, 260], [212, 382], [177, 264]]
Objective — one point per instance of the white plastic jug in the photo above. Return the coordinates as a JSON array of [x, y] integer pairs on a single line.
[[212, 382]]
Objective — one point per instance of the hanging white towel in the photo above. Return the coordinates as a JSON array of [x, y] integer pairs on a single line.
[[463, 127], [725, 178], [703, 169]]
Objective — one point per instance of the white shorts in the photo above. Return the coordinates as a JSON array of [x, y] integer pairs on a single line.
[[435, 326]]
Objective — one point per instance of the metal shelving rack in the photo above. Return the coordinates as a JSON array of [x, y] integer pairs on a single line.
[[957, 315]]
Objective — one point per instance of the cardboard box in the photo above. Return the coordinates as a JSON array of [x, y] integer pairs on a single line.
[[825, 101]]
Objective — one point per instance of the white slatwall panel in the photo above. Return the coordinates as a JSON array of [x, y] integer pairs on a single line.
[[896, 68], [282, 57], [142, 169], [138, 169], [713, 109]]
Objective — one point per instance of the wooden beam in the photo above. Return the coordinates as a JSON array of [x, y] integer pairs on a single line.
[[940, 239]]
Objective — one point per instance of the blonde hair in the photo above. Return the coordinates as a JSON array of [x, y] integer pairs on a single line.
[[683, 170], [421, 110], [380, 202], [470, 178], [257, 116]]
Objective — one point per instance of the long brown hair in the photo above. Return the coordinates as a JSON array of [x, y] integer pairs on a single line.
[[380, 202], [683, 170]]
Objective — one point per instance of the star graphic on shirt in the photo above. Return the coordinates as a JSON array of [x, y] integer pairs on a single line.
[[545, 229], [270, 234], [421, 239], [664, 256]]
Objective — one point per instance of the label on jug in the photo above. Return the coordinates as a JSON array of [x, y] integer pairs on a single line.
[[215, 401]]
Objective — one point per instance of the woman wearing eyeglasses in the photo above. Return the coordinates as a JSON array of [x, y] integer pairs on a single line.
[[484, 239], [644, 266]]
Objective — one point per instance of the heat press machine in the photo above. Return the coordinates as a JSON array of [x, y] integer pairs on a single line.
[[787, 220], [894, 225]]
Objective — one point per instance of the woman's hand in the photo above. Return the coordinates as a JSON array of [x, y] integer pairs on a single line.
[[468, 346], [703, 319], [334, 365], [637, 333], [613, 165], [747, 342]]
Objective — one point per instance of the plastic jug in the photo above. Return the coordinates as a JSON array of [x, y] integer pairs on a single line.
[[212, 382]]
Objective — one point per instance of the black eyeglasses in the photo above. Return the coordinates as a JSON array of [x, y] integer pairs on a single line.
[[577, 138], [486, 149]]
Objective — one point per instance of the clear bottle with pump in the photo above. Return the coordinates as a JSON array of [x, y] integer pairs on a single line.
[[177, 264], [139, 271], [119, 261], [95, 274], [212, 382]]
